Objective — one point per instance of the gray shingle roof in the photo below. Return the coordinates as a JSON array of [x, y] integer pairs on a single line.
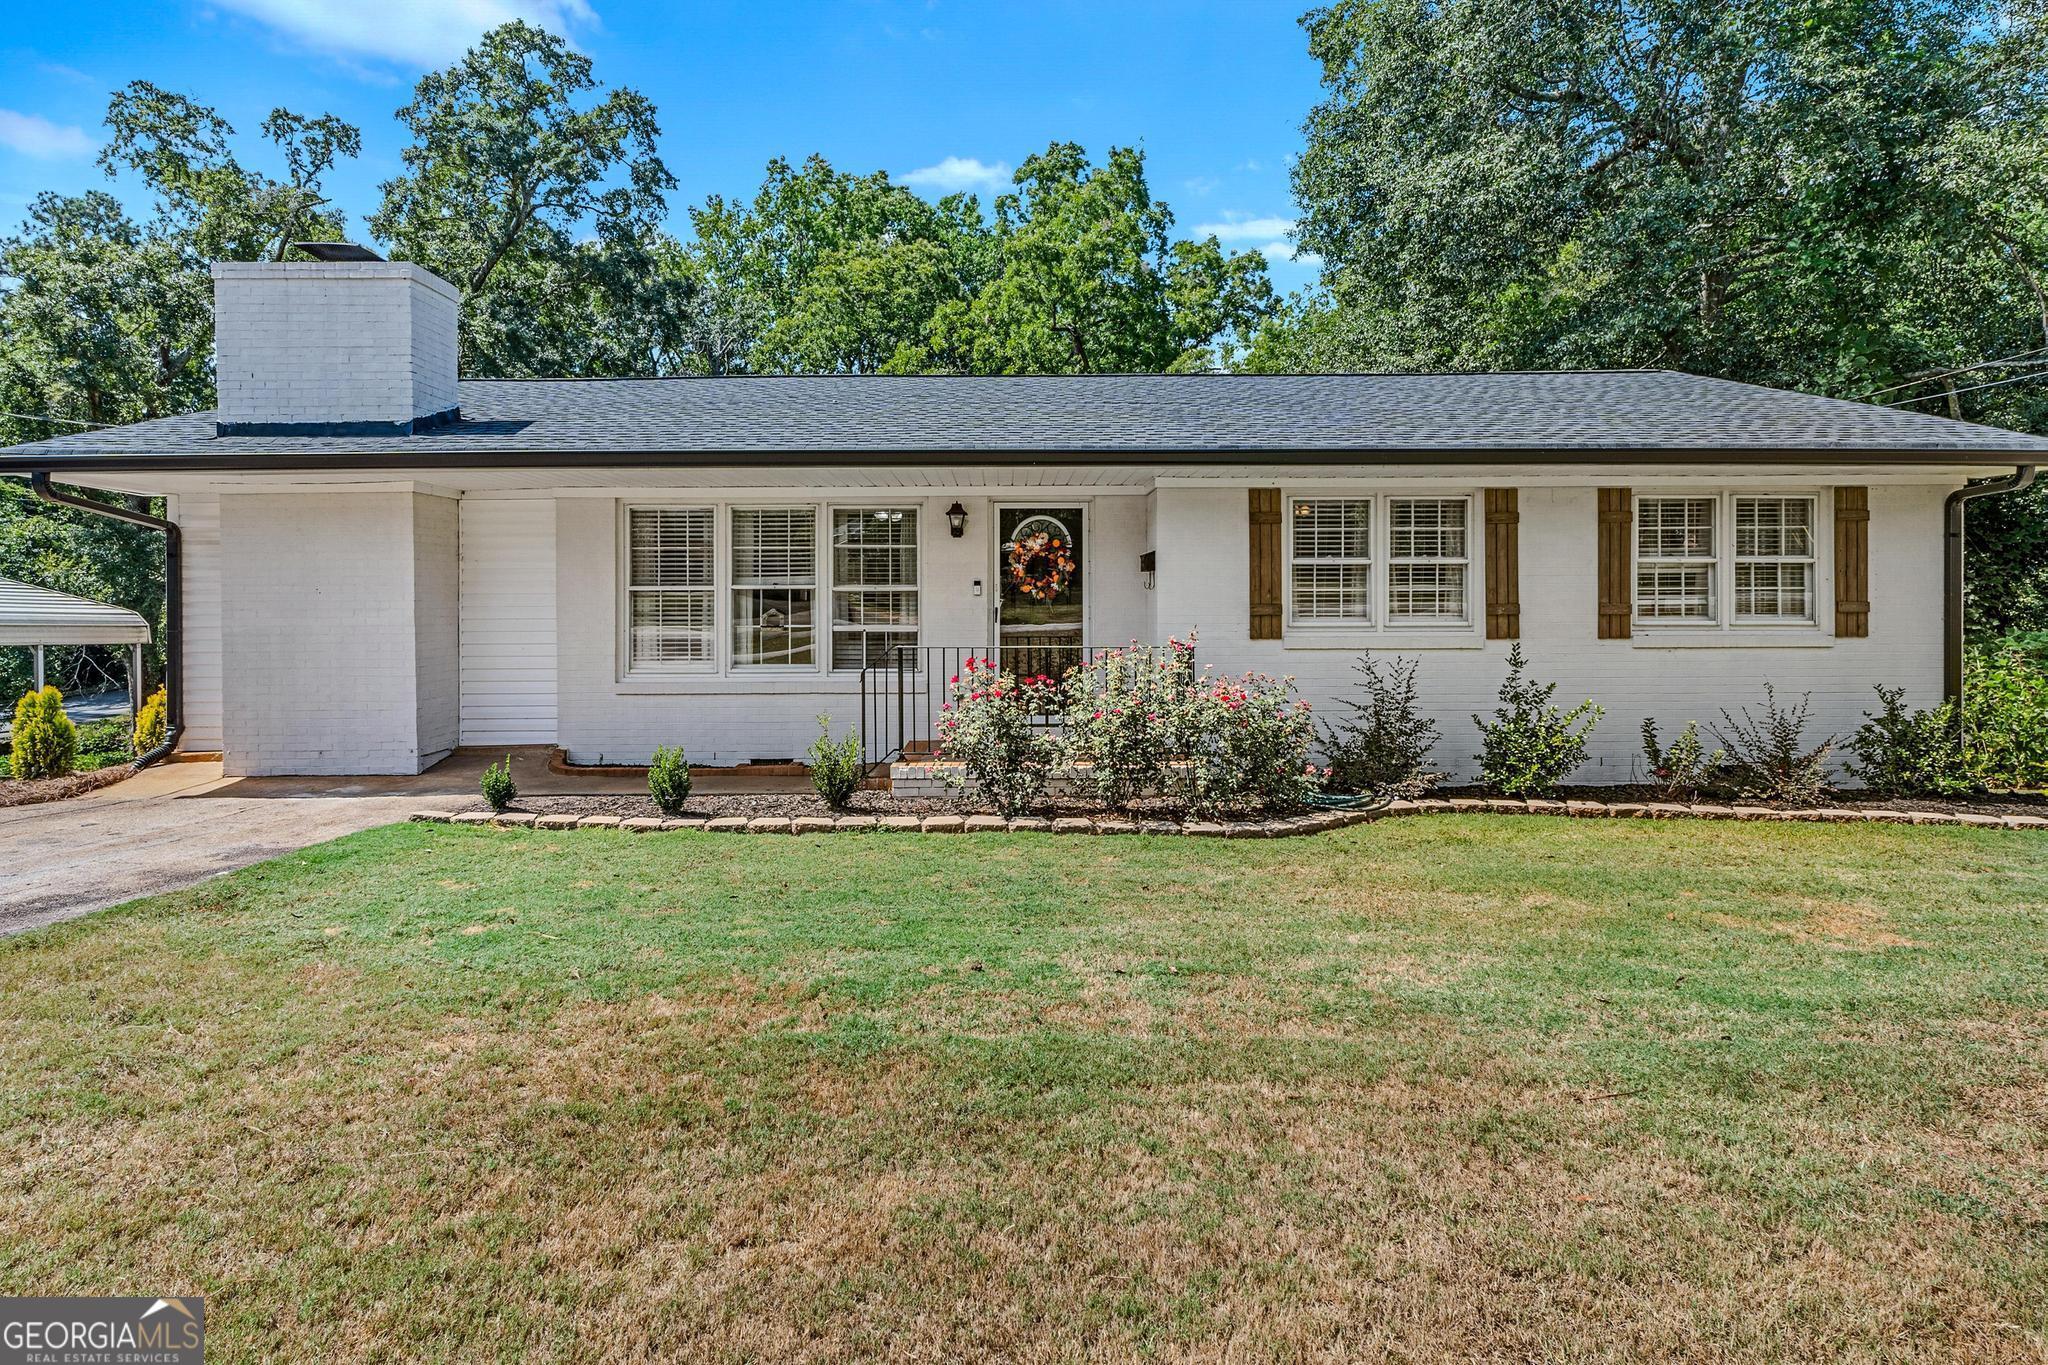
[[1150, 415]]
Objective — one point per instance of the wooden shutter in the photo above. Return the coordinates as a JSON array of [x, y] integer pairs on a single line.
[[1503, 565], [1852, 562], [1615, 515], [1265, 557]]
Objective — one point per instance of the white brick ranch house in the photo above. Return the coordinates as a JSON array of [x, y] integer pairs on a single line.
[[380, 562]]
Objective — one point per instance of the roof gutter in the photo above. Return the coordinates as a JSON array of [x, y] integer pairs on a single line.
[[445, 452], [1952, 575], [174, 603]]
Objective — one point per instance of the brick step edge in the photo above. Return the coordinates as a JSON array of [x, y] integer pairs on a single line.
[[1280, 827]]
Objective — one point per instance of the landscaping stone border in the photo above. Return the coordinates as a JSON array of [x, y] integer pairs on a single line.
[[1318, 822]]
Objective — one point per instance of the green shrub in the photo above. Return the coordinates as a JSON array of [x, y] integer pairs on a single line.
[[498, 787], [1684, 769], [1910, 753], [1120, 712], [2005, 715], [45, 741], [1768, 757], [835, 765], [103, 738], [1384, 746], [668, 779], [1242, 742], [1530, 746], [150, 723], [991, 727]]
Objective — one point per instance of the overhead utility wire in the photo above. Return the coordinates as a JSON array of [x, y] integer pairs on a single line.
[[1994, 384], [45, 417], [1950, 374]]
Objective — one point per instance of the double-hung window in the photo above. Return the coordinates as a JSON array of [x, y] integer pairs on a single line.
[[1427, 560], [671, 609], [874, 584], [1676, 559], [1330, 560], [1774, 562], [1420, 578], [1760, 571], [774, 584]]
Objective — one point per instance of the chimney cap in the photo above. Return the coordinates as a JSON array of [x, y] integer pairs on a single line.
[[336, 251]]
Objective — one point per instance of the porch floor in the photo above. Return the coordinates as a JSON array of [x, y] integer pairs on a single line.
[[459, 773]]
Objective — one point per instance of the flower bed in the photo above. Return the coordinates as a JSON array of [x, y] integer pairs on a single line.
[[1318, 822]]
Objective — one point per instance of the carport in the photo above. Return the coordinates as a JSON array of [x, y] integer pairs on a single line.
[[37, 618]]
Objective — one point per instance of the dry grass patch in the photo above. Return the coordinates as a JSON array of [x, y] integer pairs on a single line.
[[1467, 1089]]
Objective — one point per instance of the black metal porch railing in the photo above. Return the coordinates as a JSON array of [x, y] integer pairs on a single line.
[[901, 698]]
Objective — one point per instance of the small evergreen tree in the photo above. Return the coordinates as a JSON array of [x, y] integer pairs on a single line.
[[45, 741], [498, 787], [150, 723], [1530, 746], [835, 765], [668, 779]]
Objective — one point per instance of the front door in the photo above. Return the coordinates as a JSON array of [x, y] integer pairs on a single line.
[[1041, 573]]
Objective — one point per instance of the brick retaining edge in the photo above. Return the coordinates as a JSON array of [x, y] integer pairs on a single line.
[[1278, 827]]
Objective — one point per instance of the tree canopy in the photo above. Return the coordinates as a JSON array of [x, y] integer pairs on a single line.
[[1843, 197]]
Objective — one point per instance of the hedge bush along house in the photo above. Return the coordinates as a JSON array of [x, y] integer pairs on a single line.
[[382, 562]]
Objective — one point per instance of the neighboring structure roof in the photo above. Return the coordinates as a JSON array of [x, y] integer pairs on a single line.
[[41, 616], [1152, 418]]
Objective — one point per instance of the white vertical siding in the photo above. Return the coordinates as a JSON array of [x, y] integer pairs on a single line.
[[198, 518], [508, 621]]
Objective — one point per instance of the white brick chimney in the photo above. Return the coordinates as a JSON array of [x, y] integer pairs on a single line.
[[333, 347]]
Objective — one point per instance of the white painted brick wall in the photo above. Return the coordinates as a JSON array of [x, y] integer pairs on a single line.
[[1204, 571], [316, 341], [736, 719], [338, 623]]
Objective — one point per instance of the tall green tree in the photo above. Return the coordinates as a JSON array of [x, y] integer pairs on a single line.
[[533, 196], [1089, 279], [824, 271], [222, 209], [1833, 195]]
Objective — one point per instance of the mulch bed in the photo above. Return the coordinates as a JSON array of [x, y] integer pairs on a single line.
[[1990, 803], [32, 793], [794, 804]]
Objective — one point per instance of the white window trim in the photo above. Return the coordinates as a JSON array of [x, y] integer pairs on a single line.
[[708, 667], [729, 588], [832, 588], [1380, 631], [722, 663], [1724, 628]]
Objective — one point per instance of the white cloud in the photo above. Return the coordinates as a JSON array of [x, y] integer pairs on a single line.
[[34, 135], [416, 32], [956, 173], [1236, 229]]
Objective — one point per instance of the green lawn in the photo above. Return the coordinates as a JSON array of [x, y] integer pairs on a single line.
[[1457, 1088]]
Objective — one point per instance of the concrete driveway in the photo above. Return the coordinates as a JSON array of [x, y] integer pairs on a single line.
[[179, 823], [176, 824]]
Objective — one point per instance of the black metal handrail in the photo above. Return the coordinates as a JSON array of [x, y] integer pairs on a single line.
[[901, 697]]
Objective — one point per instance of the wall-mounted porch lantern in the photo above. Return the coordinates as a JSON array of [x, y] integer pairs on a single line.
[[956, 517]]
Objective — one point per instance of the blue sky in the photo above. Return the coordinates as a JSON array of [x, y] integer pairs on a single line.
[[945, 94]]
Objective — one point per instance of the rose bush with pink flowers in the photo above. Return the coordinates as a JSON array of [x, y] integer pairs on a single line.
[[1133, 722], [992, 725], [1120, 715], [1242, 742]]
